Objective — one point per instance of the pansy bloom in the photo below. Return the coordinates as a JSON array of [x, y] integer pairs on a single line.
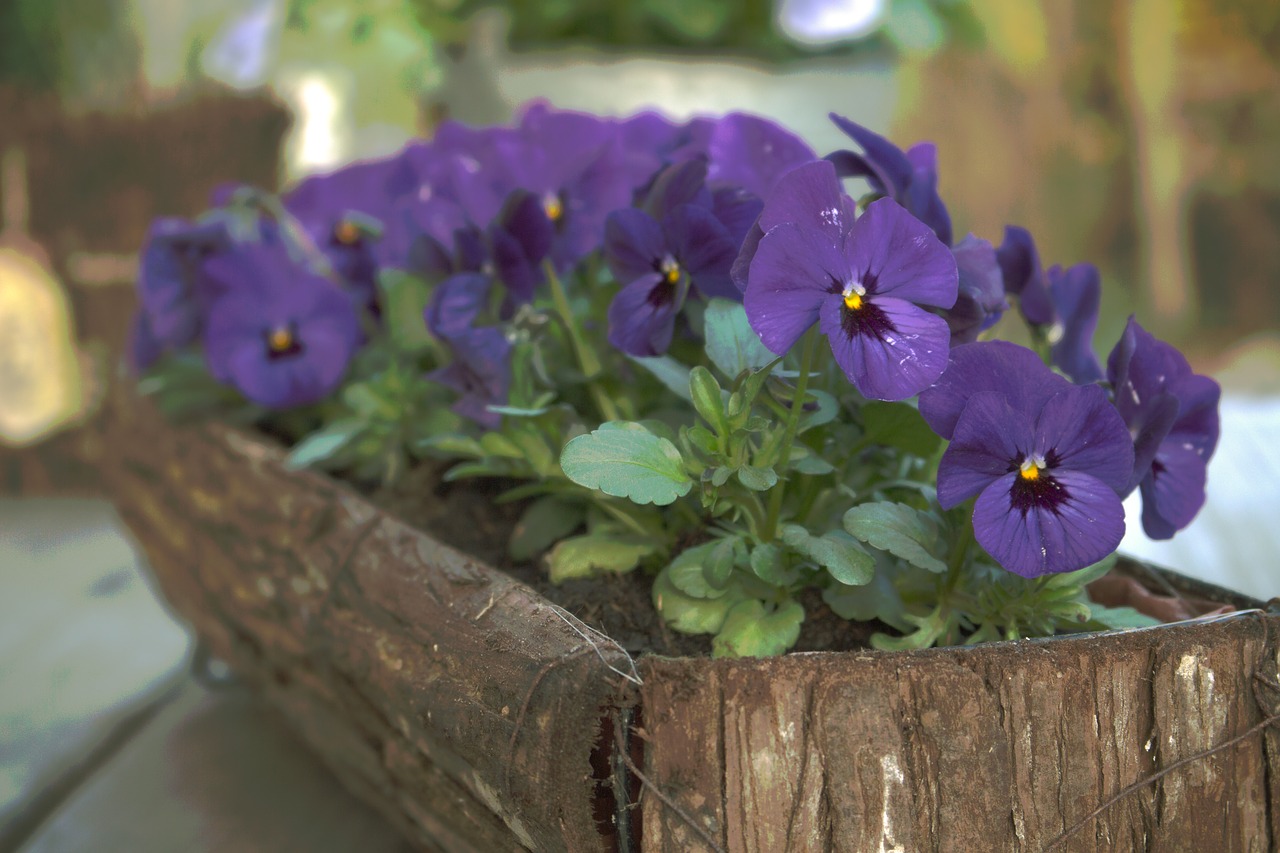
[[863, 281], [171, 289], [280, 334], [658, 252], [1172, 414], [1047, 462], [480, 372]]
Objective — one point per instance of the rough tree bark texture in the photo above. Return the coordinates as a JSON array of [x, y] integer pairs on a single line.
[[444, 692], [997, 748]]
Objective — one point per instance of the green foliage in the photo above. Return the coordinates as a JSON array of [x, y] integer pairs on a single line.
[[907, 533], [627, 461]]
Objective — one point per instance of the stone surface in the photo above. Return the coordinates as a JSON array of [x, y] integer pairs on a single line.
[[213, 772]]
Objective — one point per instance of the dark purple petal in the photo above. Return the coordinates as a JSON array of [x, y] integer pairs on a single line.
[[884, 165], [895, 254], [1023, 276], [922, 197], [642, 315], [524, 218], [1149, 431], [1080, 430], [704, 248], [456, 304], [1172, 491], [754, 153], [999, 366], [1085, 526], [480, 372], [1077, 296], [676, 185], [989, 436], [740, 272], [1198, 423], [892, 356], [171, 276], [794, 271], [981, 299], [809, 196], [633, 244], [737, 210]]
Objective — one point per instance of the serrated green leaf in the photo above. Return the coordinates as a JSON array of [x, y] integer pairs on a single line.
[[691, 615], [751, 631], [687, 571], [769, 563], [545, 521], [627, 461], [594, 553], [836, 551], [899, 529], [324, 444], [898, 425], [757, 479], [732, 345]]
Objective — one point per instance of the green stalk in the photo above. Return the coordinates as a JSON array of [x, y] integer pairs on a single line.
[[588, 362], [807, 356]]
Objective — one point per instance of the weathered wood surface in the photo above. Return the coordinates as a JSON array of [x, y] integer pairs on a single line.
[[998, 748], [446, 693]]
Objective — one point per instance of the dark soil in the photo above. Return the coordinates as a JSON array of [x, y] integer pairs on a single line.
[[466, 516]]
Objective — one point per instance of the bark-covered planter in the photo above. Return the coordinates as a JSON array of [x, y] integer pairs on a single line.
[[479, 716]]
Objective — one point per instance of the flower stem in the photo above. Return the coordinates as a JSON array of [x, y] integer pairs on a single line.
[[588, 361], [789, 433]]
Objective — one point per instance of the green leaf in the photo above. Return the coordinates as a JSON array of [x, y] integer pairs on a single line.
[[325, 443], [718, 567], [627, 461], [518, 411], [814, 466], [750, 631], [687, 571], [364, 400], [836, 551], [544, 522], [588, 555], [497, 444], [928, 629], [707, 397], [1119, 617], [404, 299], [899, 529], [732, 345], [673, 375], [876, 600], [453, 444], [769, 563], [824, 410], [757, 479], [1084, 576], [691, 615], [899, 425]]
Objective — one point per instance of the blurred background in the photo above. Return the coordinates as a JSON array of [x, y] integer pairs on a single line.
[[1141, 136]]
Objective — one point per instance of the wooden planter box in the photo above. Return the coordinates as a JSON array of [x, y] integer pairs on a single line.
[[478, 716]]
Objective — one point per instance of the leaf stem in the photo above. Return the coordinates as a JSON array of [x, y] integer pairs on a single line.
[[789, 433], [588, 361]]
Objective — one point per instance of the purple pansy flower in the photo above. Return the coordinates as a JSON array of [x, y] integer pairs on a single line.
[[981, 301], [676, 241], [910, 178], [1047, 459], [1172, 414], [753, 153], [480, 372], [283, 335], [171, 288], [863, 281], [1024, 277]]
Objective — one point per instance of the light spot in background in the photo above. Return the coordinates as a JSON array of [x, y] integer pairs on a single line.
[[826, 21], [318, 113], [240, 54]]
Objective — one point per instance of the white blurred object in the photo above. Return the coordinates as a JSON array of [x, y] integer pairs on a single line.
[[819, 22], [242, 53], [1235, 540]]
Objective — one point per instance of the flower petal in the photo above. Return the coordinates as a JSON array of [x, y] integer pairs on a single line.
[[809, 196], [1079, 532], [1083, 430], [1077, 296], [891, 363], [703, 247], [642, 316], [633, 244], [754, 153], [1009, 369], [896, 254], [1173, 490], [793, 271], [989, 437]]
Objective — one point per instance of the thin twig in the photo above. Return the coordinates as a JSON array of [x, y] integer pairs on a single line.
[[663, 798]]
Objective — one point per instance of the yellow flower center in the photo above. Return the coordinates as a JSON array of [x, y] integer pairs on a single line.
[[553, 207], [1030, 469], [853, 293], [347, 233], [280, 340], [670, 270]]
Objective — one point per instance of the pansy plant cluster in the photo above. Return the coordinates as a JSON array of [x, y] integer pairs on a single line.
[[690, 351]]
